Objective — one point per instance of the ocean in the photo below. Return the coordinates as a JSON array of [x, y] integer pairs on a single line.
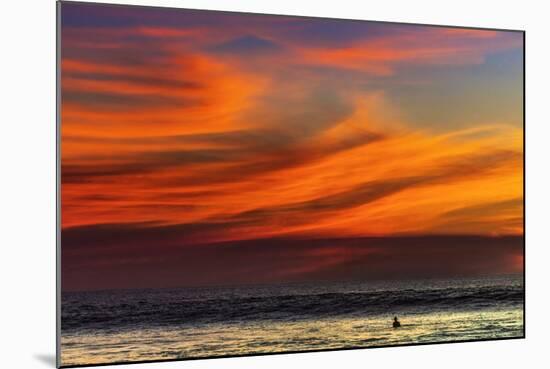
[[160, 324]]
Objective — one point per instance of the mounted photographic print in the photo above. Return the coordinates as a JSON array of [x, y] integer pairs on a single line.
[[234, 184]]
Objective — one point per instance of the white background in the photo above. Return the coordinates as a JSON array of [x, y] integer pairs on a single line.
[[27, 182]]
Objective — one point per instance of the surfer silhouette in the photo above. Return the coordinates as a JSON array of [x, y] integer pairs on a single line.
[[396, 323]]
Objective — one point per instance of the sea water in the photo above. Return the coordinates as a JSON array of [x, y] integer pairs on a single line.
[[160, 324]]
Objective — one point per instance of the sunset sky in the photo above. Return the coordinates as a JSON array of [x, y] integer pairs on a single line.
[[207, 148]]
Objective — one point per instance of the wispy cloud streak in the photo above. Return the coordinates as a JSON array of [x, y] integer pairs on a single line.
[[194, 129]]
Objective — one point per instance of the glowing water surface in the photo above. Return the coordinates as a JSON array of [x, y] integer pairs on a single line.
[[196, 324]]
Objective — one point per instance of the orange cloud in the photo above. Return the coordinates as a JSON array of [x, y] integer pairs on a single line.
[[348, 181], [272, 142], [182, 137], [443, 46]]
